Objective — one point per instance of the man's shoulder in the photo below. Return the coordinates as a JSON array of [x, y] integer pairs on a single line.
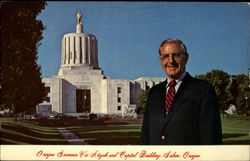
[[200, 83], [158, 86], [196, 84]]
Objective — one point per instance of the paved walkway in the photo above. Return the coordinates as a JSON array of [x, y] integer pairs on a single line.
[[71, 137]]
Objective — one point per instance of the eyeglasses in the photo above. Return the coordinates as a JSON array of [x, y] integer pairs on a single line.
[[175, 56]]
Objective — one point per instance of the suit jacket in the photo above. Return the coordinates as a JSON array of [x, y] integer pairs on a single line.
[[193, 119]]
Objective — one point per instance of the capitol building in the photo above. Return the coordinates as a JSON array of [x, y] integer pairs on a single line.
[[80, 85]]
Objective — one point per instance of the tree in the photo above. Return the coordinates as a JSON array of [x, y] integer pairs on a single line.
[[142, 101], [240, 92], [21, 85], [220, 80]]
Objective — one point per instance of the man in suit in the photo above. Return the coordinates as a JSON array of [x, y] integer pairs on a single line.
[[181, 110]]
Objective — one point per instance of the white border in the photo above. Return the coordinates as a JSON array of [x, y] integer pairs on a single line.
[[92, 152]]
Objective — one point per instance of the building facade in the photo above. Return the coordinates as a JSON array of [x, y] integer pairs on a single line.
[[80, 86]]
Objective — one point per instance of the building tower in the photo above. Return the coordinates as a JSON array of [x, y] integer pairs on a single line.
[[81, 87], [79, 50], [78, 83]]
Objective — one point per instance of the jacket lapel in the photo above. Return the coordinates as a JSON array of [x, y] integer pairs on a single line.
[[184, 91], [163, 96]]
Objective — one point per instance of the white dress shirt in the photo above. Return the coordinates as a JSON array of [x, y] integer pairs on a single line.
[[178, 82]]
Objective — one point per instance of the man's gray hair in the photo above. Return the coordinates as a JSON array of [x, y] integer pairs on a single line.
[[173, 40]]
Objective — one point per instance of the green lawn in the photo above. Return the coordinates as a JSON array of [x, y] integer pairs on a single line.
[[21, 132], [109, 135], [235, 132]]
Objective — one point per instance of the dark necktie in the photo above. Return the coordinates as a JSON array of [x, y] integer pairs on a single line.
[[170, 95]]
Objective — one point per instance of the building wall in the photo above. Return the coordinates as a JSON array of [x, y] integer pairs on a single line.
[[116, 99], [105, 90], [68, 97], [141, 84], [108, 96], [56, 94], [78, 78]]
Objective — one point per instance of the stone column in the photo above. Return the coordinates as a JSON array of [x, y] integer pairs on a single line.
[[62, 52], [89, 51], [83, 50], [66, 50], [78, 50], [71, 49], [74, 50]]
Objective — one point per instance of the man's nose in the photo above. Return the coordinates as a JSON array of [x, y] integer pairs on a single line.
[[171, 59]]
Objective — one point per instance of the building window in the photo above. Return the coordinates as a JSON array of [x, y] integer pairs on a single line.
[[47, 89], [119, 108], [47, 99], [119, 90], [119, 99]]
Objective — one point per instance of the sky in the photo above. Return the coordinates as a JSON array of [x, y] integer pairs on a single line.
[[217, 35]]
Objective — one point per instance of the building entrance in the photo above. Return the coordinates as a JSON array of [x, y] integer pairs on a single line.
[[83, 103]]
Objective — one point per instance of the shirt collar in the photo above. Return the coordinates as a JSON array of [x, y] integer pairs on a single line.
[[177, 80]]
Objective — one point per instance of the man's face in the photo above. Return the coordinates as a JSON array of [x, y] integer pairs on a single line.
[[173, 60]]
